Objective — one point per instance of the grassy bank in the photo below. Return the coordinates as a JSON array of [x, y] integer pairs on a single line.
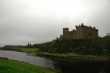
[[12, 66], [32, 51], [71, 57]]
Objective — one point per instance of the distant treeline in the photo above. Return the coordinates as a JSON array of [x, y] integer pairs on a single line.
[[15, 47]]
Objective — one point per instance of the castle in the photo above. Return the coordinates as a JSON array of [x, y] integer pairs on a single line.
[[81, 32]]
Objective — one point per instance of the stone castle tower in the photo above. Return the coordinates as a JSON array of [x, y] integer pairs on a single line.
[[81, 32]]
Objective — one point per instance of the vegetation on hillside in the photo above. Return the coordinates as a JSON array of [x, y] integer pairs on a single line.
[[99, 46]]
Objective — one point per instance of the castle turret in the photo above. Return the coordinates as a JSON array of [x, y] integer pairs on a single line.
[[65, 30], [66, 33]]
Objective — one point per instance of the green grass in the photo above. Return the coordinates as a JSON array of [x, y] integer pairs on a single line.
[[73, 57], [32, 51], [12, 66]]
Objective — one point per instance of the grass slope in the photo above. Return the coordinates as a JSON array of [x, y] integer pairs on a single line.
[[71, 57], [32, 51], [12, 66]]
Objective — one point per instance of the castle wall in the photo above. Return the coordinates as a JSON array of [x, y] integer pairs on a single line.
[[81, 32]]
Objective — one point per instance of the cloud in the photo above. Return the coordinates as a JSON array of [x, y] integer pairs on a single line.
[[42, 20]]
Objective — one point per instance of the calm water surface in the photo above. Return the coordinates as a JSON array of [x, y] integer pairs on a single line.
[[20, 56]]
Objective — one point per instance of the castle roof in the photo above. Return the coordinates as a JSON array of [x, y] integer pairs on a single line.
[[84, 27]]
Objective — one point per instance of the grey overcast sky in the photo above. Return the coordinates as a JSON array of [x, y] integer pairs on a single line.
[[37, 21]]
